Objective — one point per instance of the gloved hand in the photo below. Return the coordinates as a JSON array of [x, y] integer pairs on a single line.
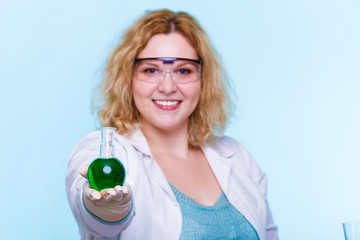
[[111, 204]]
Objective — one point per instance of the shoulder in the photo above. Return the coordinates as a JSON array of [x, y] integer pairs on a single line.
[[94, 139], [90, 141], [227, 146], [237, 152]]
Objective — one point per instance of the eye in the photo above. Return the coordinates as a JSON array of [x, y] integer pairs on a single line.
[[183, 71], [150, 71]]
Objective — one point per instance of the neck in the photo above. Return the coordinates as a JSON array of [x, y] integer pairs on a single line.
[[167, 141]]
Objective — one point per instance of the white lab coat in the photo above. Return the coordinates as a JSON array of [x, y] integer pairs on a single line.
[[156, 213]]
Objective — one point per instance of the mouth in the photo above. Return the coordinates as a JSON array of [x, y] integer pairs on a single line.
[[167, 104]]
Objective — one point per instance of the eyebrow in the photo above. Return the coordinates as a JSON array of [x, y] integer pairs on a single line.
[[149, 63]]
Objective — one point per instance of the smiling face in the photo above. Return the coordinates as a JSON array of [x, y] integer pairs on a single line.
[[166, 105]]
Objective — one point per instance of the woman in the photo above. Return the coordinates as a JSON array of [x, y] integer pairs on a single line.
[[165, 93]]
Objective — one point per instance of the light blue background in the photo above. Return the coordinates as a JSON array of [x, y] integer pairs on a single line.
[[296, 69]]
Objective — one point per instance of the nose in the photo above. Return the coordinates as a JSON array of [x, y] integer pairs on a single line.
[[167, 85]]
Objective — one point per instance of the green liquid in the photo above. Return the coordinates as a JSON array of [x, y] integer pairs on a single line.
[[106, 173]]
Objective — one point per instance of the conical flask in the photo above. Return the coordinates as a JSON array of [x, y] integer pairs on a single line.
[[106, 171]]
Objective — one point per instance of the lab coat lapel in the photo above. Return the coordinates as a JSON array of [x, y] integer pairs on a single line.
[[220, 163], [139, 142], [220, 160]]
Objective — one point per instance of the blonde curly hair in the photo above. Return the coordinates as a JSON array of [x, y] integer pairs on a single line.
[[115, 106]]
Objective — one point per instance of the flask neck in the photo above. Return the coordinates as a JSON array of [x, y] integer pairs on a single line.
[[106, 151], [107, 138]]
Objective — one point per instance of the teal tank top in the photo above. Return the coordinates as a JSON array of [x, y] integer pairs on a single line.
[[221, 221]]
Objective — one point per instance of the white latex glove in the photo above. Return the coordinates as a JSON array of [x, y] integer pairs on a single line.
[[111, 204]]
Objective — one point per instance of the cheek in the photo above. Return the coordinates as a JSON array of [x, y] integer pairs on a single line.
[[137, 94], [193, 91], [138, 90], [141, 92]]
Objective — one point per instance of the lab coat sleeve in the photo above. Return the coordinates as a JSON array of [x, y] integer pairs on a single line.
[[89, 225]]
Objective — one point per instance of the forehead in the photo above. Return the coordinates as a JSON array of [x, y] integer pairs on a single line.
[[168, 45]]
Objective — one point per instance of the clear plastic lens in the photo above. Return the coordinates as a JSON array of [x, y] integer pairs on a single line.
[[181, 71]]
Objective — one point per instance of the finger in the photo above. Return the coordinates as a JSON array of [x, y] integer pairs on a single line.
[[92, 194], [127, 189], [127, 193], [83, 171], [130, 182], [119, 192], [108, 194]]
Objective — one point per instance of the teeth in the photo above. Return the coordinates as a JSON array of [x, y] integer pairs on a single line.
[[167, 103]]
